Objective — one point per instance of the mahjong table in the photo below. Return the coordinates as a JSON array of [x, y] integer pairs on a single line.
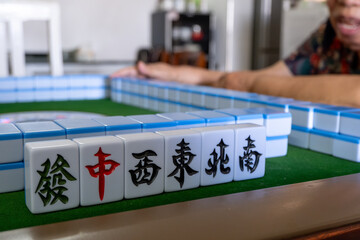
[[304, 194]]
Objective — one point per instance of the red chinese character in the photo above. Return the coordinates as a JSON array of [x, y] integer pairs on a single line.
[[102, 170]]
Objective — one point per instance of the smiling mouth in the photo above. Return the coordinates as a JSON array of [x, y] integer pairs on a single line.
[[348, 26]]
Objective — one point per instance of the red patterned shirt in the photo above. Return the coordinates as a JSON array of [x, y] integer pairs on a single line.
[[323, 53]]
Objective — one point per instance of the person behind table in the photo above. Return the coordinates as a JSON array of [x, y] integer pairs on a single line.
[[323, 69]]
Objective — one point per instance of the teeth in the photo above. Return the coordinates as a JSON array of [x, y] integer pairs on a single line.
[[349, 26]]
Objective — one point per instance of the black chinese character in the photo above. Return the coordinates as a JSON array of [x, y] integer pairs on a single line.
[[247, 160], [50, 185], [182, 161], [146, 171], [222, 159]]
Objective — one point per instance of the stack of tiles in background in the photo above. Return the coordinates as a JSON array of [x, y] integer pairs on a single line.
[[41, 131], [347, 144], [277, 123], [97, 86], [37, 132], [63, 174], [53, 88], [213, 118], [151, 94], [152, 123], [11, 159], [8, 90], [184, 120], [13, 137], [338, 127], [276, 103], [232, 99], [101, 126], [25, 89], [115, 125], [302, 124], [175, 97], [278, 128], [327, 129], [60, 88], [243, 115], [43, 88], [77, 128], [77, 90]]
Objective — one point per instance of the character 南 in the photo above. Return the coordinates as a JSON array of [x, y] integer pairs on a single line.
[[247, 161]]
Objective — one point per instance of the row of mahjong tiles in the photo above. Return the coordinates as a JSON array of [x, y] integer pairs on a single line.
[[62, 174], [53, 88], [150, 93], [14, 136], [165, 90], [325, 128], [208, 98], [298, 165]]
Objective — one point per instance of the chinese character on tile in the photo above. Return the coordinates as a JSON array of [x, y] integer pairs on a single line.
[[218, 160], [146, 170], [52, 180], [182, 162], [247, 161]]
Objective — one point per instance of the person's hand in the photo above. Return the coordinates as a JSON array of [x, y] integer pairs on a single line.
[[166, 72], [127, 72], [160, 71]]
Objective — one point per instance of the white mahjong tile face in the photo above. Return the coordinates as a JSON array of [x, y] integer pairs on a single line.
[[182, 159], [51, 175], [217, 154], [101, 169], [250, 146], [144, 164]]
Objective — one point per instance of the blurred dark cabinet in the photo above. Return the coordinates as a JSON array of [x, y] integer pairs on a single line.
[[182, 32]]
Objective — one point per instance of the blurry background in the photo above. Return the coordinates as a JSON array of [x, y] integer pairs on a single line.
[[102, 36]]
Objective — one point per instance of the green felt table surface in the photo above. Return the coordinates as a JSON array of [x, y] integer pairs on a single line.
[[299, 165]]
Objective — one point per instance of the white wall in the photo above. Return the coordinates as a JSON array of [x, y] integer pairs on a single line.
[[233, 46], [299, 23], [243, 35], [114, 29]]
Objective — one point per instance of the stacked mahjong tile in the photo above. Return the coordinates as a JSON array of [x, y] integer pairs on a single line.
[[175, 97], [11, 159], [218, 127], [63, 174], [328, 129], [277, 123], [53, 88], [320, 127]]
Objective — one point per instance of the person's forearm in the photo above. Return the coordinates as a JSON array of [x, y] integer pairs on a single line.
[[331, 89], [243, 80], [279, 69], [201, 76]]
